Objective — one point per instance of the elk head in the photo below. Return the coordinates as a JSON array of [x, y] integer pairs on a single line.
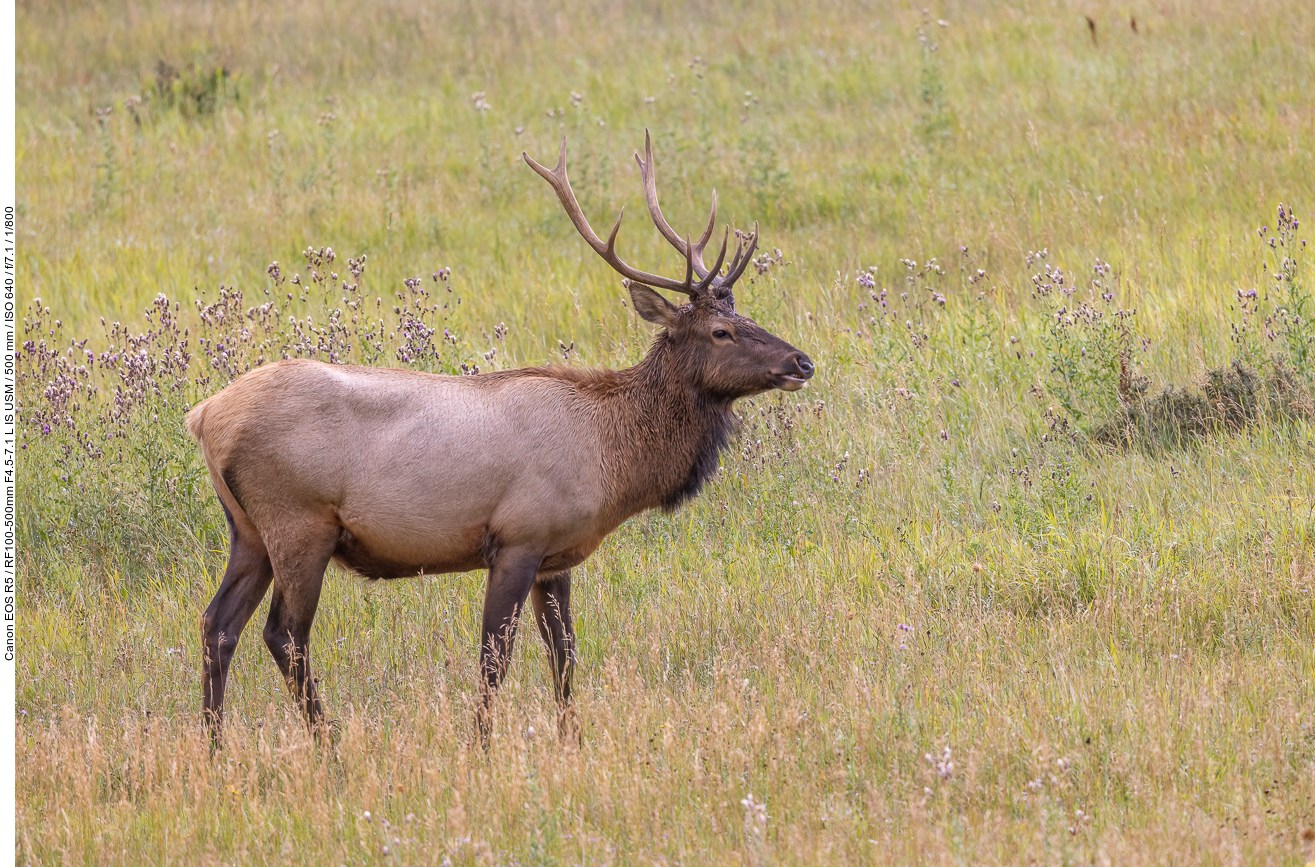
[[721, 353]]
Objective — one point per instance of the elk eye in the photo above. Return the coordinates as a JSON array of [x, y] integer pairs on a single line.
[[721, 334]]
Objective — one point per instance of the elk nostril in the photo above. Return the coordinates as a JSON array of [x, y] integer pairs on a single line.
[[805, 365]]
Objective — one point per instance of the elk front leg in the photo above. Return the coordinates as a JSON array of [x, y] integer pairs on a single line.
[[552, 611], [511, 575]]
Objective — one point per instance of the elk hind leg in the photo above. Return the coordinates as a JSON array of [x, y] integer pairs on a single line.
[[298, 578], [246, 579], [552, 611]]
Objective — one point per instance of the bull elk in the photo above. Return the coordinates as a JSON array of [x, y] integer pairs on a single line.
[[520, 472]]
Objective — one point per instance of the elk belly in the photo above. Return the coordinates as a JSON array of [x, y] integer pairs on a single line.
[[387, 561]]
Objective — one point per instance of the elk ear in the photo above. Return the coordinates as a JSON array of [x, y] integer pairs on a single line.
[[651, 306]]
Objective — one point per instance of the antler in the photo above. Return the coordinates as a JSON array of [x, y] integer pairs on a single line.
[[557, 179], [693, 253]]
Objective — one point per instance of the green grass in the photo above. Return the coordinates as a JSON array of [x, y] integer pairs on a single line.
[[1116, 646]]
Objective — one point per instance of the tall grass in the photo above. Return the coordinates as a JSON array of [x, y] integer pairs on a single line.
[[1025, 575]]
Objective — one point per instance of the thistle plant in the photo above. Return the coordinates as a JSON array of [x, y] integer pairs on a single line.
[[1273, 323], [1090, 340]]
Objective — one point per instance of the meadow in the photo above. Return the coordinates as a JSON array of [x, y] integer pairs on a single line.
[[1024, 576]]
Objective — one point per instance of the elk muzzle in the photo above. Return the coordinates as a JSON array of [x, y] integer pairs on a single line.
[[797, 378]]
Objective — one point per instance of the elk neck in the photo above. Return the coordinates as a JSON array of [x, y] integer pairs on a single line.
[[663, 436]]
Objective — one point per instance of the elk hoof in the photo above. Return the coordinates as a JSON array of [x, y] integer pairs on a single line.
[[569, 730]]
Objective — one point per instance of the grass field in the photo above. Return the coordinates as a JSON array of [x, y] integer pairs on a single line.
[[1025, 576]]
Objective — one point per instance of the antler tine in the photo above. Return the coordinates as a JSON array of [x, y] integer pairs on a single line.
[[649, 177], [721, 257], [707, 231], [739, 254], [616, 227], [558, 181], [741, 262]]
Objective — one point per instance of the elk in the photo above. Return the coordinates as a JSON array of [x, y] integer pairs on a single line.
[[521, 472]]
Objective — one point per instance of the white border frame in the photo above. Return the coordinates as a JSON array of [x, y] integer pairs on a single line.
[[8, 445]]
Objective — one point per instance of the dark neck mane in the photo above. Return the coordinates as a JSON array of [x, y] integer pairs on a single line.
[[664, 438]]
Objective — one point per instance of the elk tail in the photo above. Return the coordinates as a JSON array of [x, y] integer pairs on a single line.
[[196, 420]]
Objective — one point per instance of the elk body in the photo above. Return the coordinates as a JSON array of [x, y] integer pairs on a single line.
[[522, 472]]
